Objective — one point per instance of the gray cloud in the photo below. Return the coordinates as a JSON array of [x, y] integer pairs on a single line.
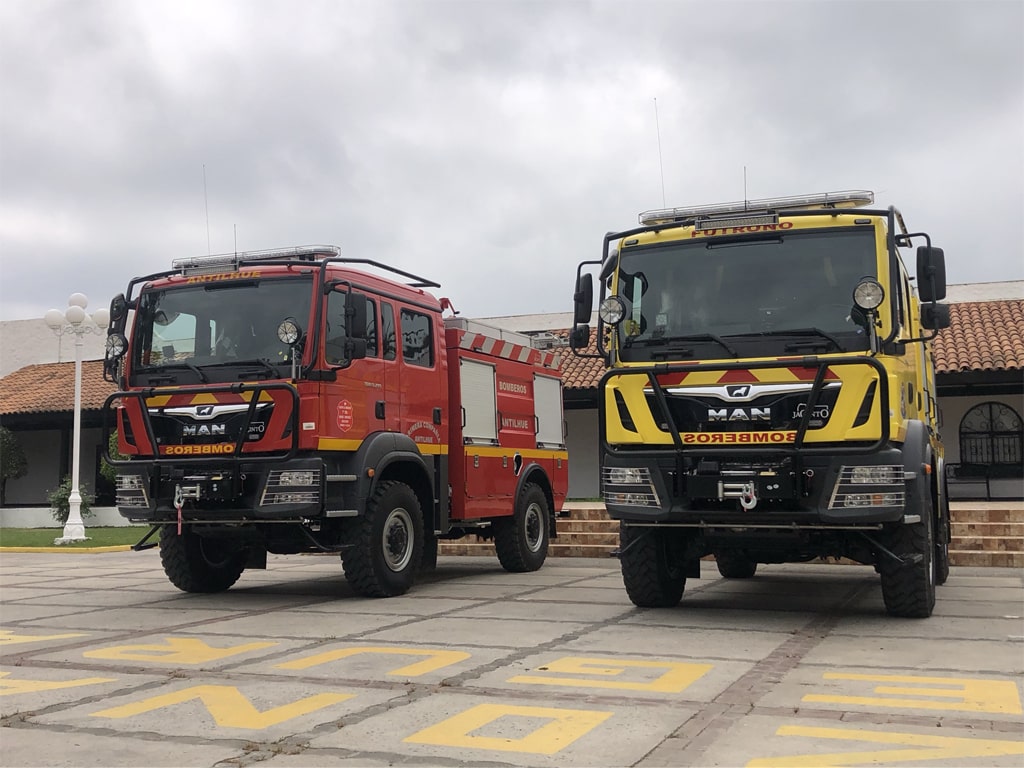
[[488, 145]]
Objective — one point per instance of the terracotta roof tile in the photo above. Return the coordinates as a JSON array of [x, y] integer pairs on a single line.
[[982, 336], [581, 372], [50, 388]]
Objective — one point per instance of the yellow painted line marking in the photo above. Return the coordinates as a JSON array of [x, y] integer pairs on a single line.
[[437, 660], [228, 706], [965, 694], [949, 748], [176, 650], [566, 726], [7, 637], [679, 676], [14, 686]]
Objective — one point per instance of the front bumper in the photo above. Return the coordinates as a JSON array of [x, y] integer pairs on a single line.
[[817, 491], [286, 491]]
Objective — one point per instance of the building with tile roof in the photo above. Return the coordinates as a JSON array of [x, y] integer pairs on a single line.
[[979, 364]]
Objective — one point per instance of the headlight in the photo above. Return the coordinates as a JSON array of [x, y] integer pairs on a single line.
[[868, 294], [612, 310]]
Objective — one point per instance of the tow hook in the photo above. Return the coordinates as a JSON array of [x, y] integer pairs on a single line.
[[745, 492], [748, 500]]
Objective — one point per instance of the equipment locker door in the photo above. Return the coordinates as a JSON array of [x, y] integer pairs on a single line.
[[478, 392], [478, 402], [547, 404]]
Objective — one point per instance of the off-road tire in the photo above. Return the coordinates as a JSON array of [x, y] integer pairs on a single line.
[[428, 562], [909, 589], [194, 563], [386, 542], [734, 564], [521, 540], [652, 569]]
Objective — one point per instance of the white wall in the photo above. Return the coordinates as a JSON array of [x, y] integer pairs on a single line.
[[42, 454], [584, 454]]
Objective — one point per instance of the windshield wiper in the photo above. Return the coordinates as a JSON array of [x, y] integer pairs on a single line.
[[795, 346], [177, 364], [268, 367], [677, 342]]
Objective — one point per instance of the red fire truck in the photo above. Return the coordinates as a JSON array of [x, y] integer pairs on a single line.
[[295, 400]]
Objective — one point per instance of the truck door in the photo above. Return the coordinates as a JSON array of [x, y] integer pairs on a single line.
[[349, 406], [421, 376]]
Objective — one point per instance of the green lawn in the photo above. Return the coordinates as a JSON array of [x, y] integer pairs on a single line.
[[98, 537]]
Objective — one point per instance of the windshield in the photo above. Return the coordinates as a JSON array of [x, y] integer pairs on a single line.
[[710, 299], [192, 330]]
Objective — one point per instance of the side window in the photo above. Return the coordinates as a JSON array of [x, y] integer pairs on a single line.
[[417, 339], [334, 345], [387, 324]]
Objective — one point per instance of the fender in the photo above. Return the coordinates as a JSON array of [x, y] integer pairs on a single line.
[[917, 454], [531, 471], [382, 449]]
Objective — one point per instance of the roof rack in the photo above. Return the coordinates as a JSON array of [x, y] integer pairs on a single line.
[[825, 200], [200, 265]]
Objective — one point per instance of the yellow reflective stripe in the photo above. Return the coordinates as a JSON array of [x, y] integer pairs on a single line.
[[526, 453], [342, 444]]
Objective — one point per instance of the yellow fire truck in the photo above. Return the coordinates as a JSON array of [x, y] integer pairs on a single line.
[[770, 393]]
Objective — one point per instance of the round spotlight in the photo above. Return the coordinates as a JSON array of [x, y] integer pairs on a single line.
[[868, 294], [612, 310]]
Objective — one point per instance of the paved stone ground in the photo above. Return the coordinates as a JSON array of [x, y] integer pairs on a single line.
[[104, 663]]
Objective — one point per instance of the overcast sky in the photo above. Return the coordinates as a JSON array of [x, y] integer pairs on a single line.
[[485, 145]]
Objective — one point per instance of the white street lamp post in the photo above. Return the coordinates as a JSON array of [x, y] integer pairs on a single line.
[[75, 320]]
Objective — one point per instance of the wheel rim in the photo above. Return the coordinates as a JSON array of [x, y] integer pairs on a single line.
[[533, 523], [396, 542]]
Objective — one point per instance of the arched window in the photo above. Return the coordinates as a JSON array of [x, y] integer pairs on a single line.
[[992, 434]]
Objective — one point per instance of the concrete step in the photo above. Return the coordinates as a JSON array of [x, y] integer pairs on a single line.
[[987, 558]]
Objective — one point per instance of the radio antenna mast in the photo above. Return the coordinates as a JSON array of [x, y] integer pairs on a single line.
[[745, 205], [206, 203], [661, 163]]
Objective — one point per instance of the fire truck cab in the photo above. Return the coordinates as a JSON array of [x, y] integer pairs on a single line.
[[294, 400]]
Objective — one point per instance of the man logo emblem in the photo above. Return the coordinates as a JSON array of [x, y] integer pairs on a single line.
[[204, 410], [738, 390]]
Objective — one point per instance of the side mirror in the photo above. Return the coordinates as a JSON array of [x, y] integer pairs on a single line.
[[580, 337], [931, 273], [583, 298], [355, 349], [356, 311], [118, 313], [935, 317]]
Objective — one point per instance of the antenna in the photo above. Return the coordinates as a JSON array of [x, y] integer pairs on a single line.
[[236, 238], [661, 163], [745, 187], [206, 202]]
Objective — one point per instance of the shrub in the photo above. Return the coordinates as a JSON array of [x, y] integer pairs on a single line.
[[12, 461], [60, 505], [108, 470]]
